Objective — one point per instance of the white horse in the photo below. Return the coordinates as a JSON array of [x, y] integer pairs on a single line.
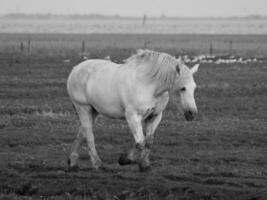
[[137, 91]]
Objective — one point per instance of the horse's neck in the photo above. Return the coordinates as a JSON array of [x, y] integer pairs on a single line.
[[159, 90], [151, 87]]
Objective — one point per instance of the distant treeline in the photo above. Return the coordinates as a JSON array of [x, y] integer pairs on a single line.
[[56, 16], [99, 16]]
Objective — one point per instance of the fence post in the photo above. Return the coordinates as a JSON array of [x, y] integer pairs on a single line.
[[211, 49], [83, 46], [144, 20], [146, 43], [29, 46], [230, 47], [21, 47]]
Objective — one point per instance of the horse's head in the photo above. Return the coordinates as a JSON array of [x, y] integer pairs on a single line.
[[186, 85]]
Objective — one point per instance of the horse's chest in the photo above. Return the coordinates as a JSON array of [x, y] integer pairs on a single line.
[[161, 102], [157, 107]]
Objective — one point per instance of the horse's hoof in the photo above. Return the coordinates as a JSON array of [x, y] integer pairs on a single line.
[[98, 165], [73, 168], [144, 167], [123, 160]]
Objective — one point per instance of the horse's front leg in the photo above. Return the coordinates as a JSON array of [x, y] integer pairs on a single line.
[[150, 125], [138, 153]]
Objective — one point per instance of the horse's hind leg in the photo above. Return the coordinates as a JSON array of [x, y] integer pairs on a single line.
[[75, 147], [87, 115]]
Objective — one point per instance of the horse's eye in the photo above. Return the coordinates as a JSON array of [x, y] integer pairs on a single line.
[[183, 89]]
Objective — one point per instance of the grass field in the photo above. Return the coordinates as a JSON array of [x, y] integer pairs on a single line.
[[119, 45], [220, 155]]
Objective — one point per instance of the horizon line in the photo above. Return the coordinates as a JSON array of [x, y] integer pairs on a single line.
[[104, 16]]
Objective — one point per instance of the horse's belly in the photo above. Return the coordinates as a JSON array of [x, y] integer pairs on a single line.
[[108, 109], [104, 98]]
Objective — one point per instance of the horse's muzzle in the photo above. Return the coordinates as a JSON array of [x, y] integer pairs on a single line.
[[190, 114]]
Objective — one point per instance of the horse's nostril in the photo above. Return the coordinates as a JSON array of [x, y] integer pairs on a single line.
[[189, 115]]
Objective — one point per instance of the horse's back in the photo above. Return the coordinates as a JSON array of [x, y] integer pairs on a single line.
[[94, 83], [80, 75]]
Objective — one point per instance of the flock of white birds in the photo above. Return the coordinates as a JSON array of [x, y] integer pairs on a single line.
[[226, 59]]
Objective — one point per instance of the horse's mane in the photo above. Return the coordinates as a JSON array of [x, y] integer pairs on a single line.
[[156, 67]]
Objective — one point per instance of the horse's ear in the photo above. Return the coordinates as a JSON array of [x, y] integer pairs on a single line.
[[194, 69]]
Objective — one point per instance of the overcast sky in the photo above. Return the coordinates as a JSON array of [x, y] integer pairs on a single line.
[[187, 8]]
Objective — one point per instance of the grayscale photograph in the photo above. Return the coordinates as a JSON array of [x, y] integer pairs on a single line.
[[133, 100]]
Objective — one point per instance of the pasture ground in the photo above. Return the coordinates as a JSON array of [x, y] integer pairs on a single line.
[[220, 155]]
